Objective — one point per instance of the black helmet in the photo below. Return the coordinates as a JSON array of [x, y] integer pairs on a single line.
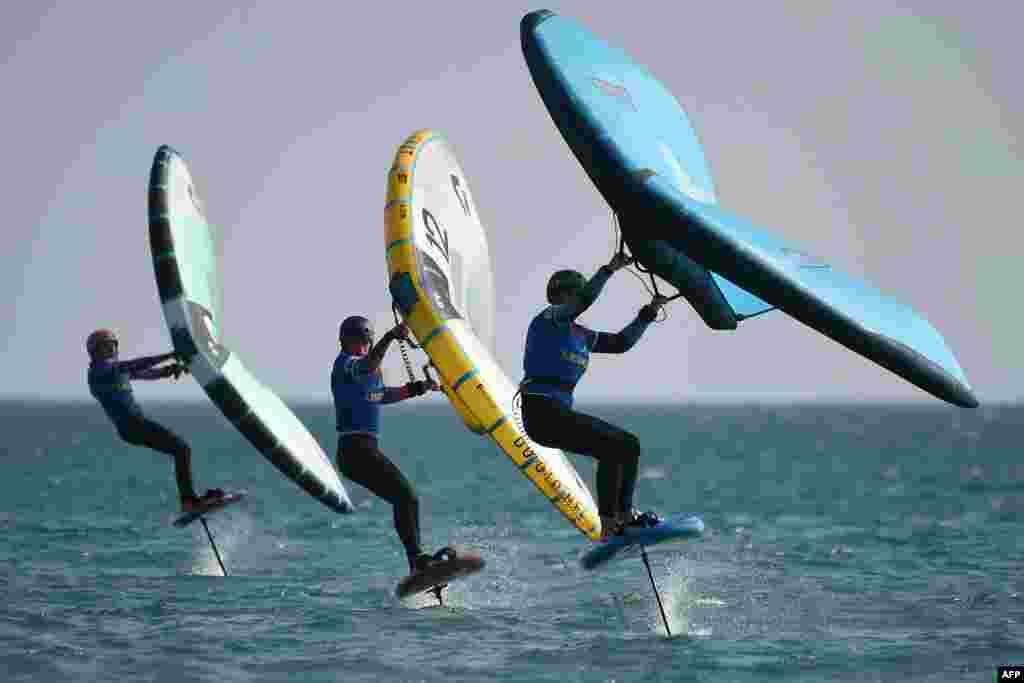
[[356, 327], [97, 339], [565, 281]]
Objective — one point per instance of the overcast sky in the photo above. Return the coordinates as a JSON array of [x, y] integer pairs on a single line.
[[886, 141]]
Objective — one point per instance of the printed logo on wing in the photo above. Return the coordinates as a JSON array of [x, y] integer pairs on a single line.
[[615, 90]]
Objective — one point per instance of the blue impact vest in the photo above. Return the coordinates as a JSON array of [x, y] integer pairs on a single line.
[[111, 386], [557, 355], [357, 396]]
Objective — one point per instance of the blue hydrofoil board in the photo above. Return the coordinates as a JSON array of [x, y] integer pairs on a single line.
[[673, 530]]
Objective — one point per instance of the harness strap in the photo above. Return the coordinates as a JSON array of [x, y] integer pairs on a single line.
[[551, 381]]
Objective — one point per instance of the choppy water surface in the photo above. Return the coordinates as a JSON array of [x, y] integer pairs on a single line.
[[850, 543]]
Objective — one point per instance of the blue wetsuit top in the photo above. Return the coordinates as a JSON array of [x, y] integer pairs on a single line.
[[558, 349], [358, 394], [110, 384]]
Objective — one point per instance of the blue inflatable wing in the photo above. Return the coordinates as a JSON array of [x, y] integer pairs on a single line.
[[851, 312], [637, 145]]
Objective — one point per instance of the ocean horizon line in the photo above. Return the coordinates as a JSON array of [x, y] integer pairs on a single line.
[[703, 400]]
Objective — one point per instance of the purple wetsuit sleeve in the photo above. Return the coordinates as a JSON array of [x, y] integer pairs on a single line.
[[151, 373], [139, 365]]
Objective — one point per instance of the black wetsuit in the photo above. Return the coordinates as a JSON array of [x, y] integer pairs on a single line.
[[557, 354], [360, 460], [110, 384], [359, 391]]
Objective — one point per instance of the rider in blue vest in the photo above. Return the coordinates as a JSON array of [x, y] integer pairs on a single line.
[[557, 354], [358, 388], [110, 383]]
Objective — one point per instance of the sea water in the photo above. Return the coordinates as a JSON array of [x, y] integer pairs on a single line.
[[844, 543]]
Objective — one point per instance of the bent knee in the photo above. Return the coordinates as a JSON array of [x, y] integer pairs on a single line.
[[631, 446], [131, 436]]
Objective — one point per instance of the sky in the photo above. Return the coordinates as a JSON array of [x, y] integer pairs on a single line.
[[885, 140]]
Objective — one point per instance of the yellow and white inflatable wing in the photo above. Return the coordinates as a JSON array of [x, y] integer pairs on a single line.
[[441, 280]]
